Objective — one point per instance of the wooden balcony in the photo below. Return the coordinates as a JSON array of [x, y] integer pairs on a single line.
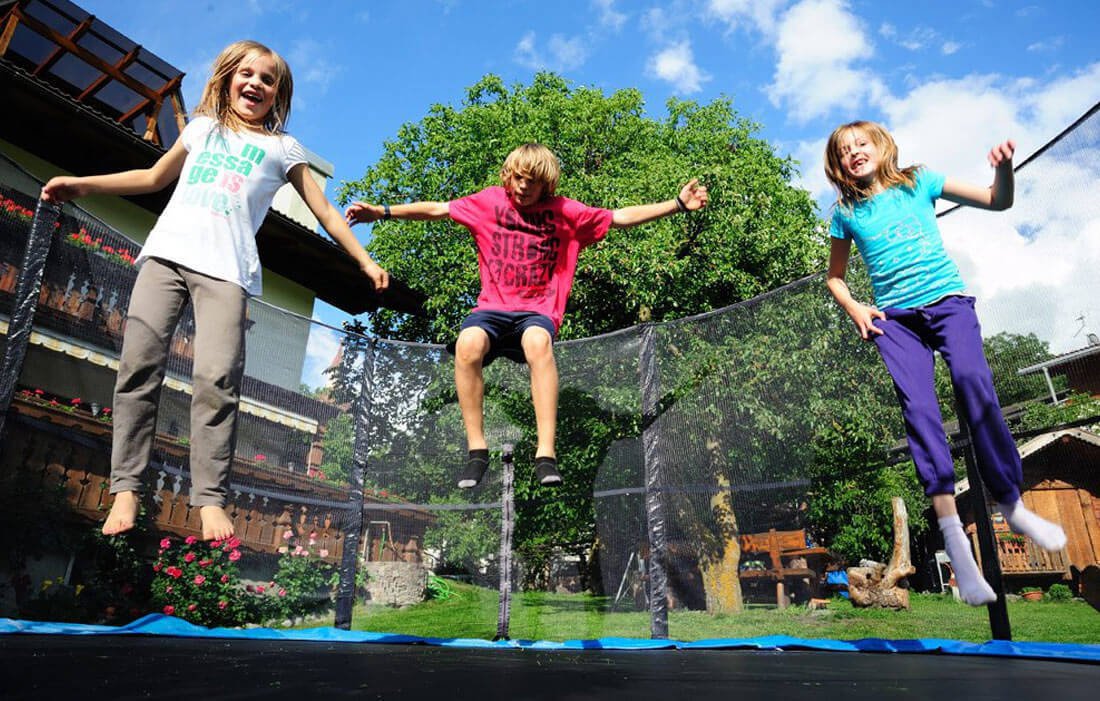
[[1020, 556], [70, 450]]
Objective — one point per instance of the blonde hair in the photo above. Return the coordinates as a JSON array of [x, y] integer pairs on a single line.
[[215, 96], [889, 174], [534, 161]]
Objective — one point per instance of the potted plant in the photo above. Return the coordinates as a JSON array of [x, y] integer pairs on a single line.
[[1031, 594]]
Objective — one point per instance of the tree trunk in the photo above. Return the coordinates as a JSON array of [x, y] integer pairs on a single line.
[[876, 584], [720, 568]]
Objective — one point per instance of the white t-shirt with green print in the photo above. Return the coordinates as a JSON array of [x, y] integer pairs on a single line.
[[225, 189]]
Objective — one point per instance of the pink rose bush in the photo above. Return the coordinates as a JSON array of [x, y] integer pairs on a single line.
[[304, 583], [200, 582]]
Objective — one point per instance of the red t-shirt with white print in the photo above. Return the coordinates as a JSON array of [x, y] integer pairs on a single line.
[[527, 256]]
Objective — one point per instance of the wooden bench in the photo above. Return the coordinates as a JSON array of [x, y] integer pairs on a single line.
[[788, 559]]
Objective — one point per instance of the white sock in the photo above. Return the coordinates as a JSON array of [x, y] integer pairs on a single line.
[[1047, 535], [973, 589]]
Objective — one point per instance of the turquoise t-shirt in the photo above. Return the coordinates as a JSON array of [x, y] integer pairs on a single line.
[[896, 233]]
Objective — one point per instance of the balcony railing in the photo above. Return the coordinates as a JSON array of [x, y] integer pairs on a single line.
[[69, 450], [1020, 556]]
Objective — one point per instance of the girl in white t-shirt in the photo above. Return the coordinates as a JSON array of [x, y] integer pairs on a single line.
[[230, 160]]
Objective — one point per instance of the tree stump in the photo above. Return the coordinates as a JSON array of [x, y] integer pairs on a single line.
[[885, 586]]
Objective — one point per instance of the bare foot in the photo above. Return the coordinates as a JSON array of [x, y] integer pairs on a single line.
[[123, 513], [215, 523]]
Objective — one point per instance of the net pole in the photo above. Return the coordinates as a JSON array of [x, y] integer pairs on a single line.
[[507, 527], [991, 564], [657, 582], [25, 302], [349, 560]]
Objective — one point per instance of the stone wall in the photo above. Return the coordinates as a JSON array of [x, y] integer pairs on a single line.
[[396, 583]]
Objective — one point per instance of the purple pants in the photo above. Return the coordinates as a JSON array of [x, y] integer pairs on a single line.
[[910, 338]]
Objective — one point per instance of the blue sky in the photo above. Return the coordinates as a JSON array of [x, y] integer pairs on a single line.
[[948, 78]]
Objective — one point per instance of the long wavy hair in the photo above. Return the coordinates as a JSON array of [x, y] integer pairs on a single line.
[[850, 191], [215, 101]]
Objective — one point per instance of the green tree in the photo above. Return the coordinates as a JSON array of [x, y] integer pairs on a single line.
[[1007, 353], [757, 233], [338, 446]]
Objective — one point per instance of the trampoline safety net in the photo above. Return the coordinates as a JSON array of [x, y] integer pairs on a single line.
[[721, 472]]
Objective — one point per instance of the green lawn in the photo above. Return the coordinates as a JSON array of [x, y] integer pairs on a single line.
[[472, 613]]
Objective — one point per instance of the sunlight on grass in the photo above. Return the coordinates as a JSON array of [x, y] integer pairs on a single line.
[[472, 613]]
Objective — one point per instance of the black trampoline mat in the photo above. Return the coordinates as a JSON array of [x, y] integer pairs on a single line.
[[131, 667]]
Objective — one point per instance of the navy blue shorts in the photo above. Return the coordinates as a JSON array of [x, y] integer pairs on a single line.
[[505, 331]]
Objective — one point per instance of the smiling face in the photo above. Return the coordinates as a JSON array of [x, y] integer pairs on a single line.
[[252, 88], [859, 156]]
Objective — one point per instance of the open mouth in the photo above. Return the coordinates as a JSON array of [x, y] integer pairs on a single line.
[[252, 97]]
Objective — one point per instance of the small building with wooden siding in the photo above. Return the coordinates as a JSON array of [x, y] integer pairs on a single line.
[[1061, 484]]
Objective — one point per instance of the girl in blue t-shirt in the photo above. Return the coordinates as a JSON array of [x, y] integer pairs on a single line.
[[921, 308]]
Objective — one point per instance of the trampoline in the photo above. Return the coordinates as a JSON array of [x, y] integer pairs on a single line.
[[679, 439], [167, 658]]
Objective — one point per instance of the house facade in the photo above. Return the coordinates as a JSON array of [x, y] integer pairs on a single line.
[[80, 98]]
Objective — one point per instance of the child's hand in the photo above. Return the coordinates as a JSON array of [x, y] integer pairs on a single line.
[[62, 189], [693, 195], [363, 213], [864, 318], [1001, 154], [377, 274]]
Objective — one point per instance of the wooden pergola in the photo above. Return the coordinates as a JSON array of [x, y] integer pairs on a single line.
[[86, 99], [58, 42]]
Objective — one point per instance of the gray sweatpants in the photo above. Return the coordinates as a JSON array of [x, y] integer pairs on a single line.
[[160, 295]]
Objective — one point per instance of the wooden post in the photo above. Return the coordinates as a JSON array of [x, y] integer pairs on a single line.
[[9, 30]]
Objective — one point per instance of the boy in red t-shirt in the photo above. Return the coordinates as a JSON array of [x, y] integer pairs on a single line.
[[528, 240]]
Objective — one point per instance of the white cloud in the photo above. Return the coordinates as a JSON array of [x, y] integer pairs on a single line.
[[811, 158], [309, 59], [951, 124], [820, 43], [1033, 267], [321, 350], [655, 22], [950, 47], [609, 16], [1052, 44], [755, 14], [525, 53], [918, 38], [562, 53], [568, 53], [888, 30], [676, 65]]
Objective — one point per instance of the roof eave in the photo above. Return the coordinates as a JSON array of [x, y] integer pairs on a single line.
[[44, 121]]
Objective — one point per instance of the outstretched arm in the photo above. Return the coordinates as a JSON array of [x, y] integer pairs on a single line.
[[999, 195], [335, 225], [361, 212], [692, 196], [862, 315], [129, 182]]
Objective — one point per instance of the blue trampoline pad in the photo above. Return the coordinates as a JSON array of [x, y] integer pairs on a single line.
[[167, 657]]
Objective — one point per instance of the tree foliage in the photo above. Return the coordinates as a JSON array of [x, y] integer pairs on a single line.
[[775, 400], [757, 233]]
